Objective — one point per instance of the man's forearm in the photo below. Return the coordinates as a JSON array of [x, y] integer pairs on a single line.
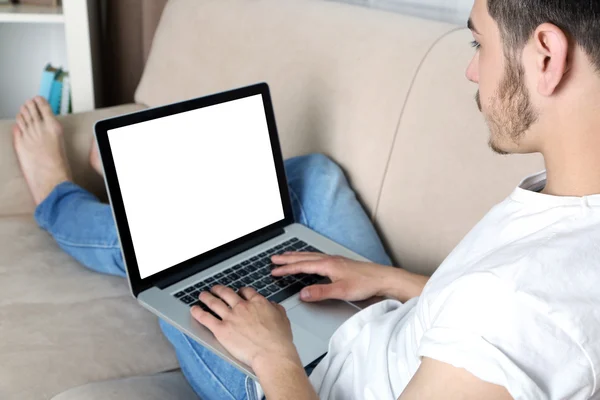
[[400, 284], [281, 379]]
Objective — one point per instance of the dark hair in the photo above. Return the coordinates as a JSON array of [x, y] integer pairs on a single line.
[[579, 19]]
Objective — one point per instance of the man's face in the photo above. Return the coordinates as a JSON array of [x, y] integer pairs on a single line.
[[503, 96]]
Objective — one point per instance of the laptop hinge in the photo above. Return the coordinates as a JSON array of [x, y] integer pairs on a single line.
[[209, 262]]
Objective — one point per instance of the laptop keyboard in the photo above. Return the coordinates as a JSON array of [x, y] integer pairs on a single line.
[[255, 272]]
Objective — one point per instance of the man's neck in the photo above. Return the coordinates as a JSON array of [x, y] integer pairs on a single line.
[[573, 161]]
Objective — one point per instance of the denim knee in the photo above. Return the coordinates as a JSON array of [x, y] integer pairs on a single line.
[[318, 169]]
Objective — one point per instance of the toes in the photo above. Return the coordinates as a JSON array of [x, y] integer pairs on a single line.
[[16, 131], [21, 123], [24, 112], [44, 107], [33, 111]]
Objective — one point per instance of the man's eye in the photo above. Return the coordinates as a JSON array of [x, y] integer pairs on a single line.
[[475, 44]]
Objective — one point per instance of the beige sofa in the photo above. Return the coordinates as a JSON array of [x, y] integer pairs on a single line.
[[382, 94]]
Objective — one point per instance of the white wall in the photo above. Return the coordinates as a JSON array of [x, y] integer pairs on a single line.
[[454, 11], [24, 51]]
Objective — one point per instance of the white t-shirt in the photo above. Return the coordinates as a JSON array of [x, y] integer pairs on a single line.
[[517, 303]]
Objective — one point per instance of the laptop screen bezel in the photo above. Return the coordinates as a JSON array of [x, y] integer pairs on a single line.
[[102, 128]]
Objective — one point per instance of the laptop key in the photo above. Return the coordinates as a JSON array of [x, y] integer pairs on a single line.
[[268, 280], [247, 280], [237, 267], [312, 279], [225, 281], [195, 294], [273, 288], [187, 299], [262, 254], [289, 279], [236, 285], [209, 280], [189, 290], [244, 271], [282, 283], [254, 276], [233, 276], [293, 240], [286, 293], [245, 262], [254, 258], [219, 275], [180, 294], [259, 285], [265, 292], [312, 249]]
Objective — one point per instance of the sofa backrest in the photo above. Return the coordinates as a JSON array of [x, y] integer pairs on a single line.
[[382, 94]]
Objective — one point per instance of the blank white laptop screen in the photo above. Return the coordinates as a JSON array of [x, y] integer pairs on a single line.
[[194, 181]]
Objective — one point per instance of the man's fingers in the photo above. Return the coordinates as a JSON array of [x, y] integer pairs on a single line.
[[248, 293], [323, 292], [303, 267], [215, 304], [294, 257], [226, 294], [205, 318]]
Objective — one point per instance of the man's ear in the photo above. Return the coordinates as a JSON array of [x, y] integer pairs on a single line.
[[552, 57]]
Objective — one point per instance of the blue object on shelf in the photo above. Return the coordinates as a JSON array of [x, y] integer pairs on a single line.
[[51, 87]]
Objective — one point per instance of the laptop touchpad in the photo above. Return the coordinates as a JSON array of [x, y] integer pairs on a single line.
[[323, 318]]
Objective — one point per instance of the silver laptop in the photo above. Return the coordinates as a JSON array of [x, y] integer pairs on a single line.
[[199, 195]]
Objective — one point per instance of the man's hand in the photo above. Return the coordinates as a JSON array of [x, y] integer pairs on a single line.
[[351, 280], [251, 326], [258, 333]]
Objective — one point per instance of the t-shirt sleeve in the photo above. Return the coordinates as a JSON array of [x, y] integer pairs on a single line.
[[502, 336]]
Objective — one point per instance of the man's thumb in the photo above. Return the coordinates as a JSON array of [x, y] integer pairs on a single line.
[[322, 292]]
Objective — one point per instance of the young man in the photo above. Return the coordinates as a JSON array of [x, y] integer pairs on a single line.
[[511, 313]]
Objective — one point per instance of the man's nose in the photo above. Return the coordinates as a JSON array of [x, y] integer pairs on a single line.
[[472, 73]]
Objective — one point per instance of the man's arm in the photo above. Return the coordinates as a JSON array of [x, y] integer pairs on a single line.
[[351, 280], [400, 284], [284, 379], [436, 380]]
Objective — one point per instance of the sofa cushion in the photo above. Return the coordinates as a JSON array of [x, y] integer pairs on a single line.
[[339, 74], [78, 128], [169, 385], [62, 325], [442, 176]]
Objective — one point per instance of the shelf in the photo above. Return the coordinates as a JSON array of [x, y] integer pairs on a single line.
[[31, 14]]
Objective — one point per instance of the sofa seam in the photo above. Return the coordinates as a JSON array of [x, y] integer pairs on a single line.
[[402, 110]]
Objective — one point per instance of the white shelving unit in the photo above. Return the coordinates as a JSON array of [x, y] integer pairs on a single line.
[[31, 14], [31, 37]]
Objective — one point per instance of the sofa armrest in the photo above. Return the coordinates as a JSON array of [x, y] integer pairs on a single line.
[[168, 385], [78, 129]]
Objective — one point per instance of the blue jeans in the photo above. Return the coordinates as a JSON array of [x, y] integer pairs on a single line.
[[321, 199]]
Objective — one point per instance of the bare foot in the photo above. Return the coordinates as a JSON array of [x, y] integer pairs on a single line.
[[95, 158], [38, 141]]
